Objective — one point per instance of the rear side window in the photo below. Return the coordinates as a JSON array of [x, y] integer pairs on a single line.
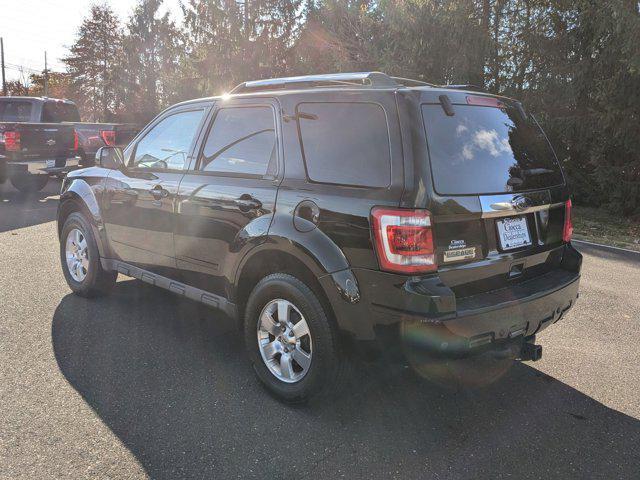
[[483, 150], [56, 112], [242, 140], [345, 143], [15, 111]]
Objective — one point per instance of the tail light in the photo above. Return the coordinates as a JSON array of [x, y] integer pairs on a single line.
[[567, 230], [109, 137], [76, 142], [12, 141], [404, 240]]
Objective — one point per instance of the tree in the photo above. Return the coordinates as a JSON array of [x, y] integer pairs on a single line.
[[16, 87], [575, 64], [152, 46], [229, 42], [94, 64], [59, 85]]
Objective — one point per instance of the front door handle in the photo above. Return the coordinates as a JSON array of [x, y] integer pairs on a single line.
[[246, 203], [158, 192]]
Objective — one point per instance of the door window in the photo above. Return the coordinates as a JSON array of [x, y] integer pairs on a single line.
[[242, 140], [166, 146]]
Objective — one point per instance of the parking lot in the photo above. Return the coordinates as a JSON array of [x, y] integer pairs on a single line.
[[144, 384]]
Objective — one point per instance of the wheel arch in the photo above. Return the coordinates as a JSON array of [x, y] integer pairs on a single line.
[[270, 258], [78, 196]]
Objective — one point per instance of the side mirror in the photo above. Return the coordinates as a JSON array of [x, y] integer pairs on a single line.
[[110, 157]]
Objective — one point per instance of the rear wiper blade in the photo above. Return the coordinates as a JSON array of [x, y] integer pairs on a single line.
[[446, 104]]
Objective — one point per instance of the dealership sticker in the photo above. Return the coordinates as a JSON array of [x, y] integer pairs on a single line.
[[458, 250], [459, 254]]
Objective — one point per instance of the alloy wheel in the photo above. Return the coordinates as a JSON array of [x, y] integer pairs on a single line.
[[284, 340], [77, 255]]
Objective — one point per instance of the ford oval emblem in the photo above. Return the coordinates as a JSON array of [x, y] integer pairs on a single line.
[[521, 203]]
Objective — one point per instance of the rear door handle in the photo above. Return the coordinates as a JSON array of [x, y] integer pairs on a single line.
[[246, 203]]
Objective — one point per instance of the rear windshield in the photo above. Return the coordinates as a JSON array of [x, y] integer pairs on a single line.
[[15, 111], [482, 150], [56, 112]]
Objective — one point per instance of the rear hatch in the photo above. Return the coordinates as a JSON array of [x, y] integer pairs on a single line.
[[498, 202]]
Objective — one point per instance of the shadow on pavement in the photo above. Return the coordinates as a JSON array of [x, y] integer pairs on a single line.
[[20, 210], [176, 389]]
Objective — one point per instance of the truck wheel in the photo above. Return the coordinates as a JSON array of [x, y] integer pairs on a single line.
[[29, 183], [292, 345], [81, 260]]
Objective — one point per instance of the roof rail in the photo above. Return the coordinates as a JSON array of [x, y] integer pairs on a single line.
[[474, 88], [410, 82], [371, 79]]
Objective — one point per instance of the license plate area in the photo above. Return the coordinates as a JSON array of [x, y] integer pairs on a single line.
[[513, 233]]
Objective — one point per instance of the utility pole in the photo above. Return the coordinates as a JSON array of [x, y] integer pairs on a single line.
[[46, 76], [4, 82]]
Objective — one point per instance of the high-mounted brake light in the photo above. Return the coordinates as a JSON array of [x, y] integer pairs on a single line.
[[484, 101], [567, 230], [404, 240], [109, 137], [12, 141]]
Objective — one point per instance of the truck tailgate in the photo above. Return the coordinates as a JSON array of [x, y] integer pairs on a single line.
[[41, 140]]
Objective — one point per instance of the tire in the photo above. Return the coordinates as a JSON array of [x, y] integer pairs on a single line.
[[29, 183], [327, 367], [90, 279]]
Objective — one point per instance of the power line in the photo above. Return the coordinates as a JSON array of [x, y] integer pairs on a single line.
[[13, 66]]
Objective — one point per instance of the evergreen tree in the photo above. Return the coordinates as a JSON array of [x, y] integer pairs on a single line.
[[152, 46], [93, 64], [574, 63]]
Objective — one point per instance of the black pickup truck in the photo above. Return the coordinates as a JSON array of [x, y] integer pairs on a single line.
[[45, 136], [30, 152]]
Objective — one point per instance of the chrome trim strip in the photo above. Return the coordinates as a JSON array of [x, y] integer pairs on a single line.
[[505, 205]]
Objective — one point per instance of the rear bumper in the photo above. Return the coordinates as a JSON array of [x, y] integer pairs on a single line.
[[41, 166], [460, 325]]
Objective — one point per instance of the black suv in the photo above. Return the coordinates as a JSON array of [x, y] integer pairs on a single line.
[[328, 210]]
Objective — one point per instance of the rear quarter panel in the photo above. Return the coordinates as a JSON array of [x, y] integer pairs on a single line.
[[342, 235]]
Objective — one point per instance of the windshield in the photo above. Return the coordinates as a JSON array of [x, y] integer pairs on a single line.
[[482, 150]]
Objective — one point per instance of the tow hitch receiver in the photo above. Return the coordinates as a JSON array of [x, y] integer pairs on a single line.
[[531, 352]]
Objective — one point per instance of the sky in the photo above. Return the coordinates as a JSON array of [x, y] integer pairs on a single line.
[[29, 27]]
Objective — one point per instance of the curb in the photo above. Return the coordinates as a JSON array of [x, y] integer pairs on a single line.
[[605, 246]]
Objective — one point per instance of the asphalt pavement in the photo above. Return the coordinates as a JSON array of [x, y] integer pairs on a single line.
[[143, 384]]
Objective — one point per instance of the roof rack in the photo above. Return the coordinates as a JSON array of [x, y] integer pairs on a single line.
[[356, 79], [474, 88], [370, 79], [410, 82]]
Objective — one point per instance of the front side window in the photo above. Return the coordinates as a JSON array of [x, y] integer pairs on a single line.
[[166, 146], [242, 140]]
